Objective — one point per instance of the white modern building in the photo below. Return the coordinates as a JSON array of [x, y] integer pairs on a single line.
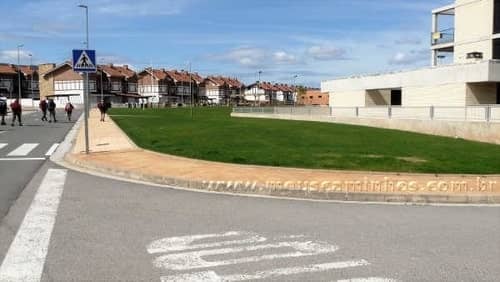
[[471, 76]]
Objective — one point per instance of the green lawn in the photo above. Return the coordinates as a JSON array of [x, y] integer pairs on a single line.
[[214, 135]]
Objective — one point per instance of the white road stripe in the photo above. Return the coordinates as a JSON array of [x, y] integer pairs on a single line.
[[3, 145], [22, 159], [368, 279], [52, 149], [26, 256], [211, 276], [23, 150], [194, 260]]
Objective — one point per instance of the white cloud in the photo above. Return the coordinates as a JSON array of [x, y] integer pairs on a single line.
[[143, 7], [323, 52], [10, 56], [284, 57], [409, 58]]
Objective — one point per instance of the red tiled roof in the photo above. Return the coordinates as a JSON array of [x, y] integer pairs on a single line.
[[117, 71], [29, 70], [221, 80], [7, 69]]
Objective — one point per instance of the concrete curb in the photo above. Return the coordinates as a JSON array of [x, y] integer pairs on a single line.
[[65, 158], [286, 193]]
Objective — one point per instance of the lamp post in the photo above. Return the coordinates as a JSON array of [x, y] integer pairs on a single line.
[[294, 93], [31, 75], [86, 83], [19, 46]]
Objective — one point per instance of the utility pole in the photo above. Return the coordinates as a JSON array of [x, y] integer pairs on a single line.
[[19, 70], [86, 83], [294, 93]]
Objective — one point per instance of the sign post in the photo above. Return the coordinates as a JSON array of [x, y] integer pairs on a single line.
[[84, 61]]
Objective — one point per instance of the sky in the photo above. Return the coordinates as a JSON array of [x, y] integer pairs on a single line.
[[313, 39]]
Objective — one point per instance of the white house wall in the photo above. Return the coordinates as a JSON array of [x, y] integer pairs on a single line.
[[473, 29], [434, 95]]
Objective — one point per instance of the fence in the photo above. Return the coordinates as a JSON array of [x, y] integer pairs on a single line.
[[480, 113]]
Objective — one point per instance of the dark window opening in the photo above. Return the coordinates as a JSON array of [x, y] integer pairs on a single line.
[[496, 49], [498, 93], [396, 97], [496, 17]]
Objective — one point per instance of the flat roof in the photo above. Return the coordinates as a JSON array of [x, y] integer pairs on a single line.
[[445, 10]]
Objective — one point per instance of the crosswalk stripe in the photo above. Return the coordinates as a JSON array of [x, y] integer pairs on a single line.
[[26, 256], [52, 149], [2, 145], [23, 150]]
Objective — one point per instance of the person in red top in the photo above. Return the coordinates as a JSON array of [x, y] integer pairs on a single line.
[[43, 107], [16, 112], [69, 110]]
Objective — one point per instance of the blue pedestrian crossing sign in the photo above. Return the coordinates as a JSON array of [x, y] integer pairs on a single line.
[[84, 61]]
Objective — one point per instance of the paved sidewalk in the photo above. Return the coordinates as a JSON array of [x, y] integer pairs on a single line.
[[112, 152]]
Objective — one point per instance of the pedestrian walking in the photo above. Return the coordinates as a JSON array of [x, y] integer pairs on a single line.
[[103, 109], [69, 110], [43, 107], [3, 109], [17, 110], [52, 110]]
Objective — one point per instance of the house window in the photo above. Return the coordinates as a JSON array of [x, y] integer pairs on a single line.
[[310, 97], [320, 97], [116, 86]]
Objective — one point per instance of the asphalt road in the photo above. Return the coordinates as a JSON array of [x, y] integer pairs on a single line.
[[108, 230], [17, 169]]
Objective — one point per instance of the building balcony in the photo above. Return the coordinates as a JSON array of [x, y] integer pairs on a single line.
[[446, 36]]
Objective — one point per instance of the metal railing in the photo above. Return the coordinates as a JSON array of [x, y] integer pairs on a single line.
[[479, 113], [443, 36]]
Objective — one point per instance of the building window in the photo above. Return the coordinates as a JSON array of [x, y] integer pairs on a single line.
[[496, 17], [396, 97], [320, 97], [496, 49]]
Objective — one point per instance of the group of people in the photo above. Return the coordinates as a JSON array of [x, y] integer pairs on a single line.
[[50, 106], [46, 105], [16, 109]]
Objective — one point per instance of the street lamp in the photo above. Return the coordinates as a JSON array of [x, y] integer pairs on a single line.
[[31, 75], [19, 46], [86, 83]]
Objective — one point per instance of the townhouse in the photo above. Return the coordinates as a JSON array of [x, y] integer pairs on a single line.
[[9, 81], [269, 93], [221, 90], [116, 84]]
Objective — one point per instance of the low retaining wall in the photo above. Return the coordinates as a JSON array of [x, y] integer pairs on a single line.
[[476, 131]]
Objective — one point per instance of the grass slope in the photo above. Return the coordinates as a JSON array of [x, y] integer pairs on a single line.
[[213, 135]]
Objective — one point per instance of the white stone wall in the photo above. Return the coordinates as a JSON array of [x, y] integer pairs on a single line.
[[434, 95]]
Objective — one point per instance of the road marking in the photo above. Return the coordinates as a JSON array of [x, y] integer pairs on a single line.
[[25, 258], [52, 149], [175, 244], [194, 260], [23, 150], [22, 159], [3, 145], [184, 253], [211, 276], [368, 279]]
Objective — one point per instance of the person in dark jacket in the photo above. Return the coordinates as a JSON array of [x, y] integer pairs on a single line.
[[52, 110], [17, 110], [103, 109], [43, 107], [3, 109]]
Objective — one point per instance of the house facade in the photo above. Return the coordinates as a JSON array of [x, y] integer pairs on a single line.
[[9, 81], [116, 84], [221, 90], [313, 97], [464, 70]]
